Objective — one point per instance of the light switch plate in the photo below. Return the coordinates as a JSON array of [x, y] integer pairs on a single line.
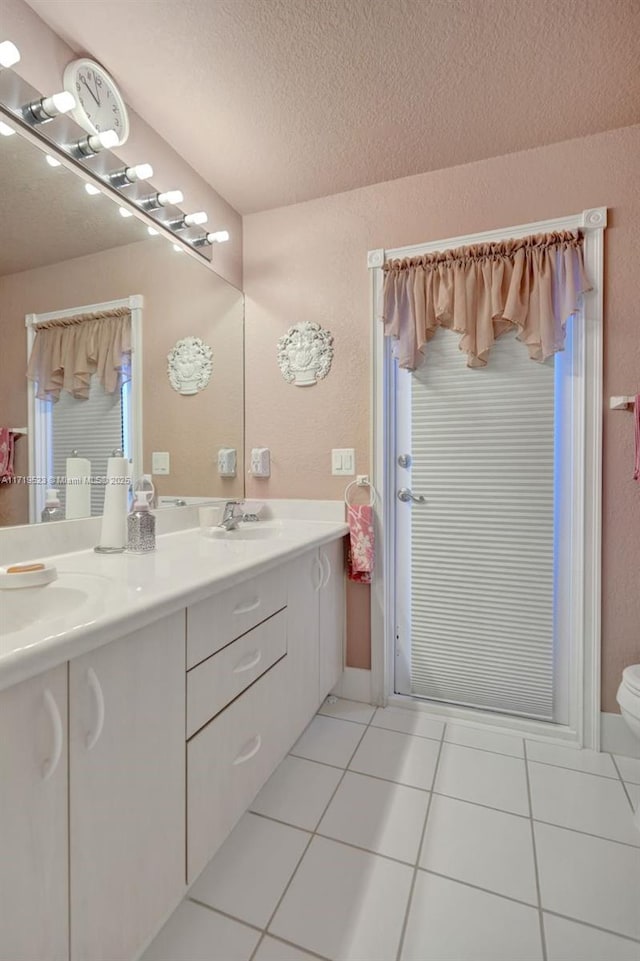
[[227, 462], [343, 462], [260, 462], [160, 462]]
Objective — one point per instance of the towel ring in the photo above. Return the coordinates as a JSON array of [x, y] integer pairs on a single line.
[[357, 483]]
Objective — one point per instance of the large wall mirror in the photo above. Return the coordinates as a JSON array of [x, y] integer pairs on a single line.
[[68, 254]]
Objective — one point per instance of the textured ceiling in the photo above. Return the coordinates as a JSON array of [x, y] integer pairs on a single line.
[[278, 101], [48, 217]]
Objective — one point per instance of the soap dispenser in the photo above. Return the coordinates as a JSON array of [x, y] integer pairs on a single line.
[[141, 525], [52, 510]]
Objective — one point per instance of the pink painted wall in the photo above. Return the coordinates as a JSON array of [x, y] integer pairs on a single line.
[[308, 262], [44, 57]]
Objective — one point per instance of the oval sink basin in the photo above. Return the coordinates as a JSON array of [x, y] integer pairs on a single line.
[[77, 594]]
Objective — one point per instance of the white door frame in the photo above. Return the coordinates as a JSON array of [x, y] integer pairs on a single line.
[[586, 506], [37, 409]]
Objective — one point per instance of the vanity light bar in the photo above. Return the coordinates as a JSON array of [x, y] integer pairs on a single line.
[[45, 109], [130, 175], [217, 237], [93, 144], [9, 54], [189, 220], [168, 199]]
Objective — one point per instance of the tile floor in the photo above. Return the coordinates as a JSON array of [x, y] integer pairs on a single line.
[[388, 836]]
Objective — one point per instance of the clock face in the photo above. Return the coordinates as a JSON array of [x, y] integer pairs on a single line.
[[100, 106]]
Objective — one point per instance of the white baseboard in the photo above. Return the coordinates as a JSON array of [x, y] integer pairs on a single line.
[[354, 685], [615, 736]]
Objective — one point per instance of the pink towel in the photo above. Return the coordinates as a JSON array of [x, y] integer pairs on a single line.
[[7, 444], [636, 422], [360, 557]]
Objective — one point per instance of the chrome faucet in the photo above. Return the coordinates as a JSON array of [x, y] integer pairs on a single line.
[[231, 517]]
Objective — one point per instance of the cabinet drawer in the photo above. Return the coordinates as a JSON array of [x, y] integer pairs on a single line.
[[229, 761], [218, 680], [214, 622]]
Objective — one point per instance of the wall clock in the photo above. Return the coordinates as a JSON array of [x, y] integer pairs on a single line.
[[100, 105]]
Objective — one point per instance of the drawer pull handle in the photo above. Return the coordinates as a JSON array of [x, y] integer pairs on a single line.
[[94, 685], [250, 750], [247, 608], [51, 763], [251, 660]]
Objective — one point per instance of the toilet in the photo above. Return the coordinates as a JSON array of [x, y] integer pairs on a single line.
[[628, 697]]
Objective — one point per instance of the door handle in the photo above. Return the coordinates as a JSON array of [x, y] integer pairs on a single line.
[[248, 662], [325, 563], [94, 684], [404, 494], [250, 750], [319, 572], [49, 766]]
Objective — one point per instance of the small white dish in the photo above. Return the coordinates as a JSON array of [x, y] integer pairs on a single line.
[[10, 582]]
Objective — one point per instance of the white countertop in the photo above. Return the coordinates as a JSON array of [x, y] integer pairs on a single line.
[[128, 591]]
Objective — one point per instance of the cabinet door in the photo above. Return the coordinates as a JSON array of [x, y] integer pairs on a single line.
[[33, 819], [127, 796], [304, 577], [332, 601]]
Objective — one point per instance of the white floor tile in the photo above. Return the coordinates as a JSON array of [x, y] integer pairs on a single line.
[[453, 922], [345, 904], [571, 941], [328, 740], [589, 879], [194, 933], [348, 710], [583, 802], [486, 740], [629, 768], [591, 762], [488, 848], [633, 790], [484, 778], [382, 817], [297, 792], [273, 950], [398, 757], [408, 722], [251, 870]]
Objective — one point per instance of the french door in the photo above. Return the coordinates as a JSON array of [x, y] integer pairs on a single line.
[[480, 539]]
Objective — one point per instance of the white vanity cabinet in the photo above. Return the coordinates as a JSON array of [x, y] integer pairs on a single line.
[[33, 819], [127, 790]]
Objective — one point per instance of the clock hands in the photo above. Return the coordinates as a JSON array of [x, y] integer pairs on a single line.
[[84, 81]]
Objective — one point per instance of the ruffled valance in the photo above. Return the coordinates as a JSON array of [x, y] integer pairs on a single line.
[[482, 291], [67, 353]]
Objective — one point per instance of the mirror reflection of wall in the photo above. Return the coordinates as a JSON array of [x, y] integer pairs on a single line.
[[63, 250]]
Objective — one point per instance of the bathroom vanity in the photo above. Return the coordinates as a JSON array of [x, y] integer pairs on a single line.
[[141, 718]]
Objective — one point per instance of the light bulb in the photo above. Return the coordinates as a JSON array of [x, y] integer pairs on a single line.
[[139, 172], [177, 248], [194, 220], [124, 212], [104, 140], [61, 102], [152, 231], [9, 54], [6, 130], [170, 198], [52, 161], [91, 189], [218, 237]]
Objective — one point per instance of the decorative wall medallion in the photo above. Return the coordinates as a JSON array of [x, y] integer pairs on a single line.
[[189, 365], [305, 354]]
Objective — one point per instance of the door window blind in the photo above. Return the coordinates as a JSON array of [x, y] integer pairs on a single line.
[[482, 547], [93, 427]]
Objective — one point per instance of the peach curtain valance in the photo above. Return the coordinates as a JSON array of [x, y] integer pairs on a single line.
[[533, 284], [67, 353]]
